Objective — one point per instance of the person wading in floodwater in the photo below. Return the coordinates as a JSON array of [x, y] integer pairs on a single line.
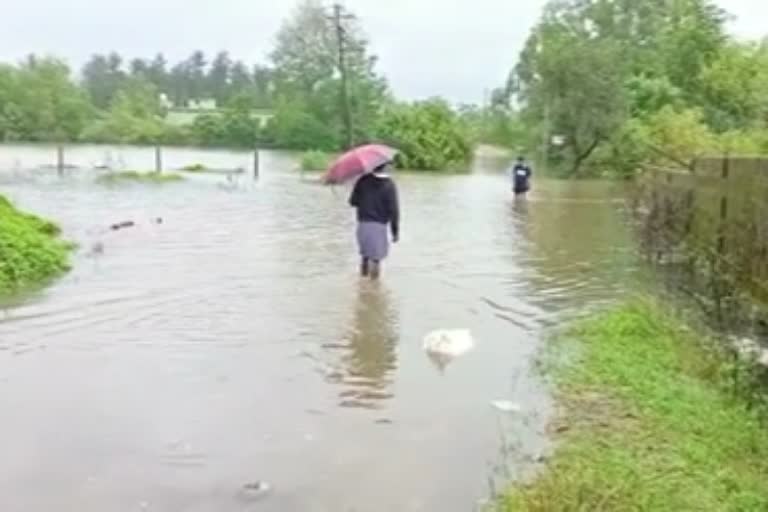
[[375, 198], [521, 177]]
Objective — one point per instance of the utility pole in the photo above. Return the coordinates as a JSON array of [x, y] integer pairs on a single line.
[[341, 35]]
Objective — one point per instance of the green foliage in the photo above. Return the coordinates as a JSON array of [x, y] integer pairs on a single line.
[[429, 135], [38, 102], [133, 118], [125, 102], [651, 425], [293, 127], [497, 126], [30, 251], [140, 177], [679, 136], [315, 161], [735, 87], [613, 76], [194, 168], [191, 79], [307, 81], [233, 128]]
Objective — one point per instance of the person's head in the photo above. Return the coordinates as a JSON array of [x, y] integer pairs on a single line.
[[521, 159], [383, 168]]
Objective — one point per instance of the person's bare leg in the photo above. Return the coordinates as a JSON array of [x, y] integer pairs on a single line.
[[375, 269], [365, 267]]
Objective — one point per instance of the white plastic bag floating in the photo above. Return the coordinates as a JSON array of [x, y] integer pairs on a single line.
[[506, 406], [445, 345]]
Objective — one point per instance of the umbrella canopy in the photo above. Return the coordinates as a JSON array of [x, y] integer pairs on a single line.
[[361, 160]]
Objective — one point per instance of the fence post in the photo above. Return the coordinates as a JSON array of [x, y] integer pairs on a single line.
[[256, 164], [158, 159], [726, 171], [60, 159]]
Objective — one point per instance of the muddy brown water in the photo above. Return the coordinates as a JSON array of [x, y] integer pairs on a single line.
[[235, 343]]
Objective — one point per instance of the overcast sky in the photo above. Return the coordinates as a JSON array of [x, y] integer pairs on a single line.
[[454, 48]]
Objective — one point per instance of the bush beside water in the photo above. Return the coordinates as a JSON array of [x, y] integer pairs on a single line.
[[30, 250], [315, 161]]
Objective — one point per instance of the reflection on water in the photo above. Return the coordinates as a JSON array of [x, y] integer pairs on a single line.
[[235, 343], [370, 357]]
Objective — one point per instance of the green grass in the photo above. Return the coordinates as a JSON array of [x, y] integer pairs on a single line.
[[648, 425], [141, 177], [315, 161], [30, 250], [194, 168]]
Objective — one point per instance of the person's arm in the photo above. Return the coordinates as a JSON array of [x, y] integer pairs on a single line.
[[354, 198], [394, 211]]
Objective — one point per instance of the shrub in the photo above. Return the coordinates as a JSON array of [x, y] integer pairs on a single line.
[[314, 161], [30, 250]]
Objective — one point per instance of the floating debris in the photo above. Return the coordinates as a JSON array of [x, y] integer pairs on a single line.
[[443, 346], [256, 490], [507, 406]]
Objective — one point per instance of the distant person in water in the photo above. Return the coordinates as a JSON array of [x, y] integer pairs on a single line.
[[375, 198], [521, 177]]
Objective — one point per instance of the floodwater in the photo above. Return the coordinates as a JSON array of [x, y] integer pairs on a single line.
[[234, 343]]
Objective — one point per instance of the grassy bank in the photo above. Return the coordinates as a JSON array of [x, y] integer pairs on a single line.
[[140, 177], [649, 425], [31, 251]]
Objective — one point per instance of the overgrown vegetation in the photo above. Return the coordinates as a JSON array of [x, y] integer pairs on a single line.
[[314, 161], [429, 135], [141, 177], [651, 422], [30, 249], [626, 83]]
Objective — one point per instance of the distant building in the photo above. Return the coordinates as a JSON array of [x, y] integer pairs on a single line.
[[184, 116], [165, 102], [202, 104]]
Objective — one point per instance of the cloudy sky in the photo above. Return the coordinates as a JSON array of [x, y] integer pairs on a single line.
[[454, 48]]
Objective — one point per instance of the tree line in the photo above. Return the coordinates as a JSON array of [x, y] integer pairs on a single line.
[[625, 83], [195, 78], [117, 100]]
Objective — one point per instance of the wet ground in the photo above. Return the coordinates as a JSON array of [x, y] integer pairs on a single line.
[[234, 343]]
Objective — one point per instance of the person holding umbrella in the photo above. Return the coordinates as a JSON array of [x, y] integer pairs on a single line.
[[375, 199]]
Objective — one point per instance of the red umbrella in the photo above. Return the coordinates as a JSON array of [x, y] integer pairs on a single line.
[[361, 160]]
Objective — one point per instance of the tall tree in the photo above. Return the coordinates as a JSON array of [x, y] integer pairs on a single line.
[[306, 68], [102, 77], [240, 80], [219, 77], [158, 74], [40, 102], [139, 68], [263, 85], [196, 74], [589, 64], [179, 84]]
